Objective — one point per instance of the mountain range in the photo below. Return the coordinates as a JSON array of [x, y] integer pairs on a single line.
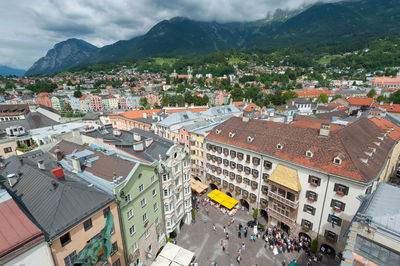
[[185, 37], [9, 71]]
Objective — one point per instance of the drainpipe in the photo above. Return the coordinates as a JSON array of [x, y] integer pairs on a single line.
[[323, 204]]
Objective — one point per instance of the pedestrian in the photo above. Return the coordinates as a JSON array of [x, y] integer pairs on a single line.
[[227, 236], [215, 229], [254, 238], [245, 233], [239, 234], [238, 259], [206, 210], [223, 247], [222, 242], [233, 220], [239, 250], [243, 246], [224, 229]]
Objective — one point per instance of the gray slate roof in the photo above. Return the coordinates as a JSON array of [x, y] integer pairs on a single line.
[[54, 209], [160, 146], [179, 117], [33, 120]]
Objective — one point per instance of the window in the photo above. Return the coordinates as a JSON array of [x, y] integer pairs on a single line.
[[7, 150], [69, 260], [149, 249], [141, 188], [145, 219], [176, 168], [369, 190], [256, 161], [309, 154], [337, 161], [311, 196], [165, 177], [117, 263], [341, 189], [232, 164], [267, 165], [65, 239], [279, 146], [334, 220], [307, 225], [106, 211], [147, 233], [166, 192], [87, 224], [226, 151], [128, 198], [134, 247], [140, 175], [314, 181], [248, 157], [153, 179], [114, 248], [331, 236], [130, 214], [132, 230], [233, 154], [143, 202], [337, 205], [155, 206], [309, 209]]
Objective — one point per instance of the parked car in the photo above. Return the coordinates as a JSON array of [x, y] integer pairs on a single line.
[[252, 223]]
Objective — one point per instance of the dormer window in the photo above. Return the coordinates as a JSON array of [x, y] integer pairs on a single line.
[[218, 131], [250, 139], [279, 146], [309, 154], [377, 143], [337, 161], [231, 134]]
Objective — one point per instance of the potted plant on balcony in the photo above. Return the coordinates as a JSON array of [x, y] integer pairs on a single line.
[[252, 200], [336, 209], [340, 193], [253, 188], [255, 175], [305, 228], [237, 193], [244, 196], [231, 177], [311, 199], [263, 205], [239, 158], [225, 185], [231, 189], [313, 184]]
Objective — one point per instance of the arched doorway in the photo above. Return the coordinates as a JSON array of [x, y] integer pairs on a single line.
[[304, 235], [264, 214], [196, 178], [213, 186], [244, 203], [326, 249], [229, 194], [285, 227]]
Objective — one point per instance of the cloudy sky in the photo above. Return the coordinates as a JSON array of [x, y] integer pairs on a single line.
[[28, 29]]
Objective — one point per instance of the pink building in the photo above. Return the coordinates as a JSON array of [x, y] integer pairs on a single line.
[[96, 103], [184, 137], [122, 103], [153, 99]]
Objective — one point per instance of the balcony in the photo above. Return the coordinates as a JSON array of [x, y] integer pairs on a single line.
[[290, 221], [292, 204]]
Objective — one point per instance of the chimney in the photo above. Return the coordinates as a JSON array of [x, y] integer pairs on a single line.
[[12, 179], [58, 153], [58, 172], [40, 165], [148, 142], [186, 105], [381, 103], [144, 115], [245, 119], [76, 164], [153, 116], [324, 130], [391, 104], [138, 146], [21, 161], [136, 137]]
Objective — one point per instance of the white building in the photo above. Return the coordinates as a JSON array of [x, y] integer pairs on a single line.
[[304, 180]]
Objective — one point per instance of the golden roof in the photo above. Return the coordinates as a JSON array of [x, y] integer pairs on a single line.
[[286, 177]]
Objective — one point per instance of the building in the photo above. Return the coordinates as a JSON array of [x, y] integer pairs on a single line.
[[359, 104], [11, 112], [44, 98], [302, 179], [153, 99], [387, 85], [84, 103], [96, 103], [374, 237], [21, 241], [172, 162], [136, 188], [69, 211], [169, 127], [142, 119]]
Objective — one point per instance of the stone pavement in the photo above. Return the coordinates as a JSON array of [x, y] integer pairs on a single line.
[[201, 239]]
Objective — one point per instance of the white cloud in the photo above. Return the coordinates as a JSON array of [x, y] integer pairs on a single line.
[[27, 32]]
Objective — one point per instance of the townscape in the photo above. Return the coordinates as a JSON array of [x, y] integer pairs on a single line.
[[287, 156]]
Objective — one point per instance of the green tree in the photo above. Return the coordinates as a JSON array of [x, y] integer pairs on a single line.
[[395, 97], [68, 107], [288, 95], [371, 93], [77, 93], [322, 98], [143, 101], [336, 97], [237, 94], [314, 245], [164, 101]]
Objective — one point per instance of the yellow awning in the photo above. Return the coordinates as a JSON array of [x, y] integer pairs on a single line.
[[222, 199], [286, 177]]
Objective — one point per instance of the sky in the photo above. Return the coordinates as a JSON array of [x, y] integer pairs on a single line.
[[28, 29]]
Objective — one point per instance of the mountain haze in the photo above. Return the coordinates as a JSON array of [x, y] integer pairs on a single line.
[[184, 37], [9, 71]]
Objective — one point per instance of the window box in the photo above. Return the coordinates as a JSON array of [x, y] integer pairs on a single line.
[[244, 196], [213, 159], [336, 209], [263, 205], [313, 184], [305, 228], [219, 152], [247, 161], [225, 185], [213, 170], [231, 177], [232, 156], [218, 162], [255, 176], [232, 167], [218, 183], [231, 189], [340, 193], [311, 199], [253, 188], [239, 159], [256, 164], [252, 200], [237, 192]]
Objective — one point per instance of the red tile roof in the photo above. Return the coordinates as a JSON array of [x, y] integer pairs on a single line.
[[312, 93], [350, 142], [392, 129], [136, 113], [193, 110], [360, 101], [394, 108], [15, 228]]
